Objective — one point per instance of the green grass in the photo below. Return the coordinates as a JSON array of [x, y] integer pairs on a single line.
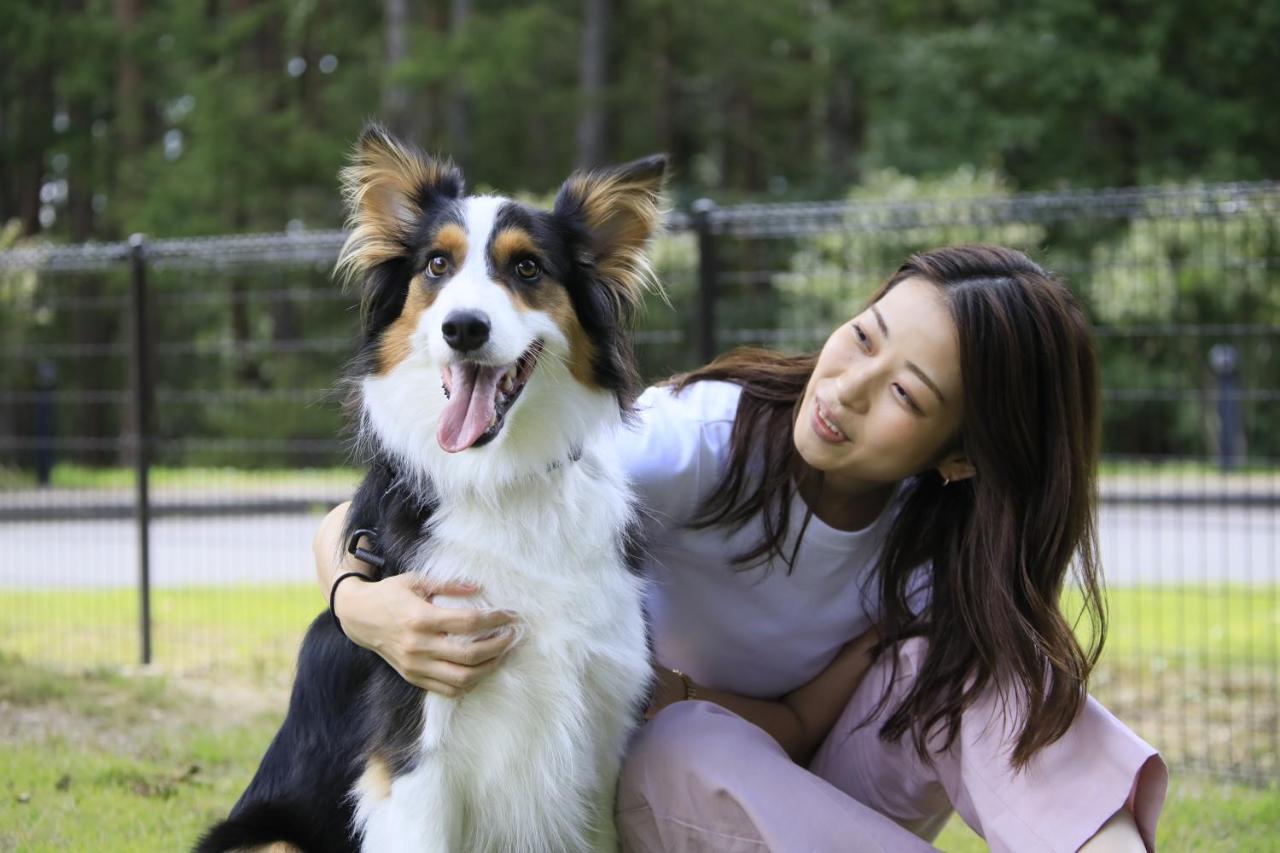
[[1198, 816], [1178, 467], [105, 755], [256, 626], [238, 630], [105, 762], [66, 476], [69, 476], [110, 762], [1222, 623]]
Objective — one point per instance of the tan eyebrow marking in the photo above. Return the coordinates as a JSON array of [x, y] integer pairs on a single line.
[[926, 380], [453, 239], [510, 242]]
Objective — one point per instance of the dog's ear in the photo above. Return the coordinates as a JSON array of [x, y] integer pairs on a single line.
[[387, 188], [621, 210]]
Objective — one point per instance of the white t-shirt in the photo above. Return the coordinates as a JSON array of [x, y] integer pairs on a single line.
[[754, 632]]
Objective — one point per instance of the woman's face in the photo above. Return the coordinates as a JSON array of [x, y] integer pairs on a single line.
[[885, 397]]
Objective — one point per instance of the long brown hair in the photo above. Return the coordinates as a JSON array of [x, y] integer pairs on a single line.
[[1002, 543]]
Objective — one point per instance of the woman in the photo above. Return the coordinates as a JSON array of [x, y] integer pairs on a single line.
[[932, 473]]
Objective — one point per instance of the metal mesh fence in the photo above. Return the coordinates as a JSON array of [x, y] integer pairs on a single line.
[[1184, 290], [187, 388]]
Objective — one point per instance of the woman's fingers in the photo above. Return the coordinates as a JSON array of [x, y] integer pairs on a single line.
[[473, 653], [433, 686], [427, 587], [448, 679], [462, 620]]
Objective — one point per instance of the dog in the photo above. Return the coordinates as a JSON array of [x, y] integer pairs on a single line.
[[493, 368]]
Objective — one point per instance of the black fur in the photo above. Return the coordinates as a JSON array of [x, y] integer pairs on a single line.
[[299, 793], [345, 700]]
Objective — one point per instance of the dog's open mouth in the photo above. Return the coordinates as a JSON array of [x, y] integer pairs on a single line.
[[479, 397]]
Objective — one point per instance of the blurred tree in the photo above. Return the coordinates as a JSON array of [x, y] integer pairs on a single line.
[[593, 80], [176, 118], [1080, 92], [180, 118]]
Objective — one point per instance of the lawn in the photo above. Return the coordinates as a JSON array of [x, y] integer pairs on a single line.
[[121, 757], [70, 476]]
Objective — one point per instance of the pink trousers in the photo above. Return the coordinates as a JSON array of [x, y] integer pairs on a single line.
[[698, 777]]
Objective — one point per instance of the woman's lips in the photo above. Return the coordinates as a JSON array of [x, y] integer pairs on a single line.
[[823, 427]]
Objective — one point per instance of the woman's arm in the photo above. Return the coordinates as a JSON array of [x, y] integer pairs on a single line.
[[800, 720], [395, 618]]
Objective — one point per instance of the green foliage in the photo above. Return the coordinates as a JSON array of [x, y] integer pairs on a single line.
[[1162, 290], [189, 119], [1078, 92], [200, 118], [832, 275]]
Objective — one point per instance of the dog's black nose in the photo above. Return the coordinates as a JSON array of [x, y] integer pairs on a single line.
[[466, 330]]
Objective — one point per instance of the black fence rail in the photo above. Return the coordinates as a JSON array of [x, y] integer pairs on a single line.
[[171, 428]]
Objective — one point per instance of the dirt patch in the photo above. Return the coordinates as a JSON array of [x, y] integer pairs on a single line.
[[122, 710], [1219, 718]]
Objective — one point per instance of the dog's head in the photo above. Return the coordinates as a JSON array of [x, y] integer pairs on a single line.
[[492, 331]]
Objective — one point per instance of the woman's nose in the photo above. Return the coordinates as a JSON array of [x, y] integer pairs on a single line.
[[853, 387]]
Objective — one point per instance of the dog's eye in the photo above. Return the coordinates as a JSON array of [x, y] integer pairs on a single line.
[[528, 269], [437, 265]]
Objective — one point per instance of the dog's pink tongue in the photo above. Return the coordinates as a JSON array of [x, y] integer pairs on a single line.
[[470, 408]]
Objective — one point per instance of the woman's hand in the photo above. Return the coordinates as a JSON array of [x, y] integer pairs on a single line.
[[667, 688], [800, 720], [430, 646]]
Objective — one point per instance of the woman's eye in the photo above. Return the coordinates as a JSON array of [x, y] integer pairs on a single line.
[[437, 265], [528, 269], [862, 336], [901, 394]]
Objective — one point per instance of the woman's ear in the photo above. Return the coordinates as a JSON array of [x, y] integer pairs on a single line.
[[955, 467]]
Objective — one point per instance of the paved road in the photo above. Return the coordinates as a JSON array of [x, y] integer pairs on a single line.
[[1140, 544]]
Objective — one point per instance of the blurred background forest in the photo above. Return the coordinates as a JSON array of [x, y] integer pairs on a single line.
[[177, 119]]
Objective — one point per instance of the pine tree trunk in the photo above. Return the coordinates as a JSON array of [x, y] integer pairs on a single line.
[[460, 99], [395, 95], [593, 83]]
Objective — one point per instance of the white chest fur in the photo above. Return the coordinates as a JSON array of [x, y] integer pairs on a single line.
[[528, 760]]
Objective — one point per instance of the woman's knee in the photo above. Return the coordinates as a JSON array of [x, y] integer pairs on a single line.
[[685, 746], [684, 733]]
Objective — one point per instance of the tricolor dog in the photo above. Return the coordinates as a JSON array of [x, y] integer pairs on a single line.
[[494, 367]]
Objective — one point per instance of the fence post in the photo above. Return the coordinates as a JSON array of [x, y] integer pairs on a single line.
[[141, 370], [708, 270], [46, 417], [1224, 361]]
